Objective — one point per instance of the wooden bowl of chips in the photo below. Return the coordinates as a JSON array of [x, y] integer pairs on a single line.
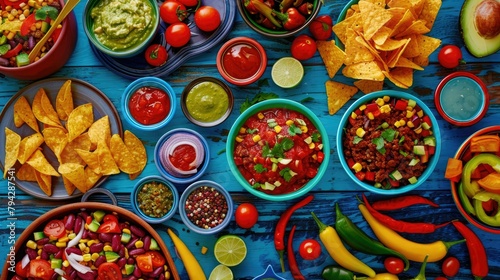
[[64, 137]]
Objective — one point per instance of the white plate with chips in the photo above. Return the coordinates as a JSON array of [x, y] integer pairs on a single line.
[[83, 93]]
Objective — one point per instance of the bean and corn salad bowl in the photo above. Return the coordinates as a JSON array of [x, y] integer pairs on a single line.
[[23, 23]]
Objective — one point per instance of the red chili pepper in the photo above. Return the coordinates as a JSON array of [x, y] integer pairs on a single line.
[[263, 9], [250, 6], [477, 253], [279, 233], [292, 19], [292, 262], [402, 226], [306, 8], [398, 203], [285, 4]]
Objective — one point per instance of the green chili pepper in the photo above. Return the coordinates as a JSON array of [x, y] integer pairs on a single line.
[[421, 273], [332, 272], [484, 196], [360, 241], [484, 158], [464, 199]]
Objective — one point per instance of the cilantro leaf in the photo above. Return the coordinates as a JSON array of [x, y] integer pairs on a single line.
[[259, 168], [46, 11], [294, 130], [286, 143], [286, 174], [261, 96], [316, 136], [388, 134], [356, 139], [379, 142]]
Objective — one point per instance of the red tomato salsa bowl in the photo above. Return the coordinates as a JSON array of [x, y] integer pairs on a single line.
[[278, 149], [388, 142]]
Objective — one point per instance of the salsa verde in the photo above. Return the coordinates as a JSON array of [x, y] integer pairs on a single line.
[[207, 102]]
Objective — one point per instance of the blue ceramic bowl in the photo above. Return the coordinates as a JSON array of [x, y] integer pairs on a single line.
[[163, 171], [147, 82], [138, 47], [135, 205], [281, 104], [193, 187], [433, 160]]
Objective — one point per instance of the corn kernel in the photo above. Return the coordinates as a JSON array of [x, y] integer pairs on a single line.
[[418, 130], [385, 108], [289, 122], [31, 244], [92, 241], [126, 253], [420, 113], [304, 128], [357, 167], [87, 257], [95, 256], [410, 113], [64, 239], [242, 130], [126, 230], [31, 3], [386, 98], [238, 139], [139, 244], [260, 116], [204, 250], [71, 235], [256, 138], [410, 124], [8, 8], [11, 17], [278, 129], [312, 146], [396, 124], [82, 246], [379, 101], [371, 116], [167, 275], [402, 122], [362, 107], [354, 115], [107, 248], [360, 132], [65, 263], [61, 244], [14, 12], [315, 156]]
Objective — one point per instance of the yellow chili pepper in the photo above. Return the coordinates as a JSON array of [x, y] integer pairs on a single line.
[[411, 250], [193, 268], [333, 244]]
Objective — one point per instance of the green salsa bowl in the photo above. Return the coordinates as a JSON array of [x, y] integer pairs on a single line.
[[108, 26]]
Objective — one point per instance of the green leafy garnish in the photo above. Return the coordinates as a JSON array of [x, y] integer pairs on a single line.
[[287, 144], [401, 140], [307, 99], [356, 139], [286, 173], [261, 96], [251, 130], [46, 11], [379, 142], [389, 134], [403, 153], [294, 130], [315, 136], [259, 168], [256, 186], [278, 151]]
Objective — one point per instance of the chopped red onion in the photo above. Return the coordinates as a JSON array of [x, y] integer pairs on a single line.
[[175, 141]]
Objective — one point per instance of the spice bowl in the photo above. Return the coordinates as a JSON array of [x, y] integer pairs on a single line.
[[241, 61], [461, 98], [185, 143], [109, 37], [206, 207], [154, 199], [207, 101], [137, 99], [392, 129]]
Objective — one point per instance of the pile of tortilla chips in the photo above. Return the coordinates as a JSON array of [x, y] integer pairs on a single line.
[[84, 148], [382, 39]]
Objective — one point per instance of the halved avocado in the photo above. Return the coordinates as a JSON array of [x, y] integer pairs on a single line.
[[480, 26]]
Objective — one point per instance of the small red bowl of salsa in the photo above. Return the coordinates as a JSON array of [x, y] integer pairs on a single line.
[[241, 61], [148, 103]]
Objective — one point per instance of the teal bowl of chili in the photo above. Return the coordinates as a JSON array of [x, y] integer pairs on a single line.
[[405, 138], [278, 168], [148, 104], [154, 199]]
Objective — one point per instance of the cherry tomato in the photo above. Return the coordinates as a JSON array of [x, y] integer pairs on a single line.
[[157, 258], [40, 269], [189, 3], [246, 215], [109, 271], [172, 11], [310, 249], [54, 229], [394, 265], [23, 272], [178, 34], [207, 18], [145, 262], [450, 56], [450, 266], [321, 27], [303, 47], [156, 55], [109, 226]]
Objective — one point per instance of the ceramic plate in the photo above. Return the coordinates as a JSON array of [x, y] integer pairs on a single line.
[[83, 92], [136, 67]]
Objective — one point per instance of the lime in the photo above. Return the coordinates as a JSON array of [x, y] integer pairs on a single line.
[[230, 250], [287, 72], [221, 272]]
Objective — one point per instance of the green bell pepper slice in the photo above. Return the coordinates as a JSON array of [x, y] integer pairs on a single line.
[[465, 201], [484, 196], [484, 158]]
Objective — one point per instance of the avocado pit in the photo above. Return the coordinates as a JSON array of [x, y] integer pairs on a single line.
[[487, 18]]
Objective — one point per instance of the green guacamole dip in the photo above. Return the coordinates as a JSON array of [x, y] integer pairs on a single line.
[[120, 24], [207, 102]]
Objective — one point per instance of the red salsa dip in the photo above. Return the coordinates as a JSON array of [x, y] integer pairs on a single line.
[[278, 151], [241, 61], [149, 105], [388, 142]]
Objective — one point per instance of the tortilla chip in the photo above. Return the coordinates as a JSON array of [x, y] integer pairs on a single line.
[[41, 164], [364, 71], [391, 44], [382, 35], [28, 146], [430, 11], [427, 45], [417, 27], [56, 139], [338, 94], [24, 114], [100, 130], [92, 178], [44, 182], [70, 187], [43, 110], [355, 50], [122, 155], [12, 143], [69, 155], [332, 56], [75, 173], [64, 101], [107, 163], [340, 29], [374, 17], [91, 159], [137, 150], [406, 63], [79, 120], [367, 86], [412, 49], [26, 173]]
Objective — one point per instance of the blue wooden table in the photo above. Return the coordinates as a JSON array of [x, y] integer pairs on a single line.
[[335, 185]]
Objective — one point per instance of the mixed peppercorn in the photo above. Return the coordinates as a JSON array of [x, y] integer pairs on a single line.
[[206, 207]]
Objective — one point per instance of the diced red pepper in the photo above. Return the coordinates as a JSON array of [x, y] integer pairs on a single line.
[[425, 133], [371, 107], [427, 120], [27, 23], [320, 156], [16, 4], [376, 113], [352, 121], [394, 183], [456, 179], [401, 104], [13, 52], [490, 206], [357, 111], [350, 162], [476, 173], [56, 34], [360, 175], [370, 176], [431, 149]]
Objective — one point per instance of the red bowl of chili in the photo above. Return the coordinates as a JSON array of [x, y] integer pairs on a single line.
[[474, 174], [278, 149], [388, 142]]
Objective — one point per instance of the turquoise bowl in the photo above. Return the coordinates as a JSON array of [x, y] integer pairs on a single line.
[[433, 160], [277, 103]]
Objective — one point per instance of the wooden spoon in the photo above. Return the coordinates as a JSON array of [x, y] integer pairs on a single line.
[[68, 7]]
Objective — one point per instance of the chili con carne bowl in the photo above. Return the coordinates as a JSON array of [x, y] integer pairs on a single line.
[[154, 199], [388, 142], [278, 149]]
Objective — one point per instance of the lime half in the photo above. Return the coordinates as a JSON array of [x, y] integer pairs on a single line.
[[287, 72], [221, 272], [230, 250]]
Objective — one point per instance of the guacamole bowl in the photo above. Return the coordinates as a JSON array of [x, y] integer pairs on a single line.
[[121, 28]]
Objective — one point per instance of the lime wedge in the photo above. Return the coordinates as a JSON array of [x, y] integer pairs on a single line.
[[230, 250], [221, 272], [287, 72]]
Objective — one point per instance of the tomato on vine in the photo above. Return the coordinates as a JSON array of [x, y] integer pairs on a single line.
[[172, 11], [156, 55], [207, 18], [321, 27], [177, 34]]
